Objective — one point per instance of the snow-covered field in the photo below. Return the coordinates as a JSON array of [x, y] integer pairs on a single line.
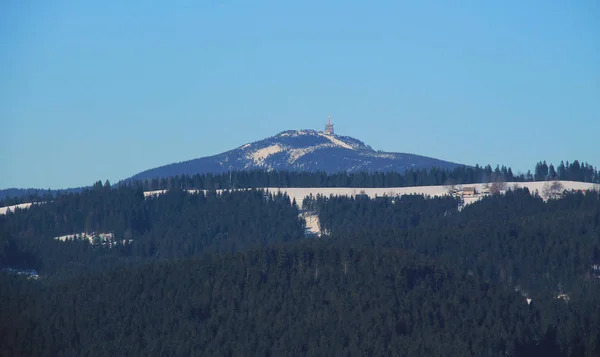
[[299, 193], [12, 208]]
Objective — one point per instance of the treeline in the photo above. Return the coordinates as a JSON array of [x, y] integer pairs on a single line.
[[574, 171], [13, 196]]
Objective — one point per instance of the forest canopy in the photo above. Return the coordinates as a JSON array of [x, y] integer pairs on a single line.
[[233, 273]]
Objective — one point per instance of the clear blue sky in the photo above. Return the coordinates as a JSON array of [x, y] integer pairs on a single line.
[[95, 90]]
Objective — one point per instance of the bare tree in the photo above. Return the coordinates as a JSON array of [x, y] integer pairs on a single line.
[[552, 189], [498, 185], [451, 187]]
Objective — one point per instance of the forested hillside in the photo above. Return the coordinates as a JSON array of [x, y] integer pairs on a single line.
[[233, 274], [574, 171], [310, 300], [516, 238], [173, 226]]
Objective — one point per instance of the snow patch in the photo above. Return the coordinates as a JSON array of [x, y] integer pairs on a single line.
[[260, 155], [295, 154], [4, 210], [154, 193], [336, 141], [104, 239], [296, 133], [245, 146], [313, 226], [85, 236], [12, 208], [381, 155]]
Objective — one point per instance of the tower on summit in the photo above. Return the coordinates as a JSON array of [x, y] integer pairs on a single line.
[[329, 127]]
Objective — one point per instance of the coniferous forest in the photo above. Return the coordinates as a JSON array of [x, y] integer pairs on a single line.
[[234, 274]]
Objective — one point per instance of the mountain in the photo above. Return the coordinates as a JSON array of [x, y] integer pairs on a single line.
[[300, 150], [291, 150]]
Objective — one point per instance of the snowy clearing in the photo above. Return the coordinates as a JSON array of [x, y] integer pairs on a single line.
[[312, 223]]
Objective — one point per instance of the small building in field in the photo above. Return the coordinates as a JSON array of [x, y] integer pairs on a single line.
[[469, 191]]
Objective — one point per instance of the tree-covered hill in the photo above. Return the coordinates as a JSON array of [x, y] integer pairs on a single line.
[[305, 300], [516, 238], [232, 274], [173, 226]]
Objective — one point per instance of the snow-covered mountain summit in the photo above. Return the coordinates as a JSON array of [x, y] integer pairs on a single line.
[[300, 150]]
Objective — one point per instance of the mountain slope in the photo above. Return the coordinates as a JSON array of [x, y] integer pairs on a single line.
[[300, 150]]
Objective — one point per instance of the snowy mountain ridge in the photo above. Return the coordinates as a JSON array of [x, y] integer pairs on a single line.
[[300, 150]]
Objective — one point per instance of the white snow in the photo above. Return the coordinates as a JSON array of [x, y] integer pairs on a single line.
[[381, 155], [299, 193], [260, 155], [154, 193], [295, 154], [12, 208], [106, 239], [336, 141], [245, 146], [86, 236], [312, 223]]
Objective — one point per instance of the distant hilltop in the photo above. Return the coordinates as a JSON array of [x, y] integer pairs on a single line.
[[300, 150]]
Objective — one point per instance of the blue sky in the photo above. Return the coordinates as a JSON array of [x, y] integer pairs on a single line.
[[95, 90]]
